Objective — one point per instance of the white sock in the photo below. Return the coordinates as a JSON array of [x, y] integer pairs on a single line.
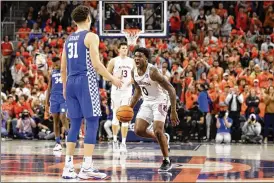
[[124, 140], [87, 162], [166, 158], [115, 138], [69, 161]]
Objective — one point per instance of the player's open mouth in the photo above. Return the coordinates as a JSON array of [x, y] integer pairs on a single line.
[[137, 63]]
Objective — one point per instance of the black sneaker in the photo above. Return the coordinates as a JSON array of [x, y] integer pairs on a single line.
[[166, 166]]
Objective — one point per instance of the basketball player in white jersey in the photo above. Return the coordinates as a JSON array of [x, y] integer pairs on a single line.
[[151, 84], [121, 67]]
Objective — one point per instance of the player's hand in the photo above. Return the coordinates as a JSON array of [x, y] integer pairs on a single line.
[[117, 82], [174, 118]]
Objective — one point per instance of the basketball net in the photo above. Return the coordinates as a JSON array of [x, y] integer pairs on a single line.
[[132, 36]]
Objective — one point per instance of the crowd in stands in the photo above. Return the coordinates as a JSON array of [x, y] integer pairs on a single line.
[[219, 58]]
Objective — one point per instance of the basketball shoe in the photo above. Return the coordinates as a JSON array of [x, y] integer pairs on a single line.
[[69, 173], [166, 166], [123, 148], [115, 146], [91, 173], [57, 147]]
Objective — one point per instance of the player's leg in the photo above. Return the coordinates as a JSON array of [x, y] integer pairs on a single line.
[[63, 118], [140, 129], [75, 115], [87, 170], [143, 121], [159, 113], [124, 127], [116, 101], [89, 99], [55, 109]]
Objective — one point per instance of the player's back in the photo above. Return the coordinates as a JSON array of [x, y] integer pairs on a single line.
[[78, 59], [151, 90], [82, 90], [56, 82], [122, 69]]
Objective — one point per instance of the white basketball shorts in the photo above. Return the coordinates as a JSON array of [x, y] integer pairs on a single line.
[[153, 111]]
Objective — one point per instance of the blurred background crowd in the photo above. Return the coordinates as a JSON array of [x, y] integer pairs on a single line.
[[218, 56]]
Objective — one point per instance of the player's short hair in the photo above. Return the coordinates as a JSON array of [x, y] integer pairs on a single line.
[[55, 59], [80, 13], [143, 50], [122, 44]]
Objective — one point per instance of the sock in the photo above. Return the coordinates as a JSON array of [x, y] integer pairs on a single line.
[[69, 161], [166, 158], [87, 162], [124, 140], [115, 138], [57, 139]]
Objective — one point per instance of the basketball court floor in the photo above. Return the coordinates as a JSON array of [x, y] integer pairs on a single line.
[[34, 161]]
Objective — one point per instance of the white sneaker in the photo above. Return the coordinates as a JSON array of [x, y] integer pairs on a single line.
[[115, 146], [69, 173], [168, 139], [58, 147], [91, 173], [123, 148]]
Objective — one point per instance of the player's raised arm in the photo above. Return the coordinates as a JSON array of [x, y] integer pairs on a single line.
[[64, 71], [137, 92], [92, 42], [155, 75]]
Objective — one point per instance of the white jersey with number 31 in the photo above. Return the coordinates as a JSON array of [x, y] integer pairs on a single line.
[[122, 69], [151, 90]]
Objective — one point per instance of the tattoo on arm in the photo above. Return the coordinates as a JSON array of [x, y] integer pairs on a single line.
[[155, 75], [137, 93]]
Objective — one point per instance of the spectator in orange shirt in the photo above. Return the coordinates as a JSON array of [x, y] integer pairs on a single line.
[[226, 81], [23, 32], [215, 70], [221, 11], [6, 50], [8, 106], [263, 77], [21, 105]]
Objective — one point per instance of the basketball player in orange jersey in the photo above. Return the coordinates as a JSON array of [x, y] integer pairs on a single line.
[[121, 66], [152, 85]]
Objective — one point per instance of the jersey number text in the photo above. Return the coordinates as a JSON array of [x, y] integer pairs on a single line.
[[58, 80], [124, 73], [72, 50], [145, 91]]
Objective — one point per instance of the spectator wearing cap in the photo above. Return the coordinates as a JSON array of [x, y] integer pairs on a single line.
[[265, 45], [234, 101], [252, 130], [269, 112], [226, 81]]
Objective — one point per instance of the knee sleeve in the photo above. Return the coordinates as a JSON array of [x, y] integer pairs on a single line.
[[75, 124], [91, 130], [125, 124]]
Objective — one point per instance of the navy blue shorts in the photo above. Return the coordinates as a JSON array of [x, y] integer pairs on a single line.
[[82, 97]]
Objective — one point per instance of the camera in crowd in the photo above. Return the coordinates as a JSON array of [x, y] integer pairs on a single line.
[[252, 118]]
